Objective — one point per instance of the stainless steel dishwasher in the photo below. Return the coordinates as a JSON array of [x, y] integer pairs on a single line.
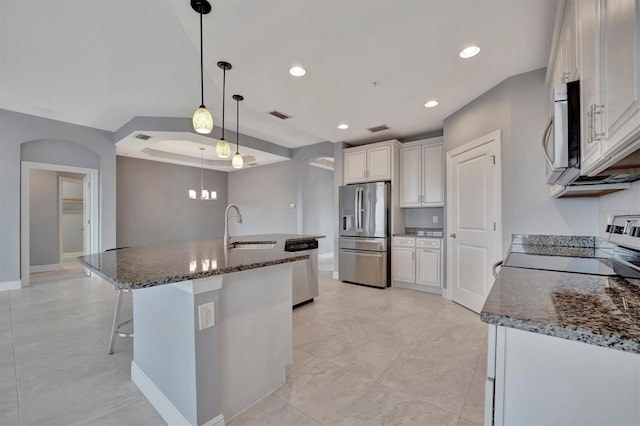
[[305, 272]]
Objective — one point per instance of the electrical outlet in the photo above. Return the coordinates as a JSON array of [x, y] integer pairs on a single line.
[[292, 205], [206, 313], [435, 219]]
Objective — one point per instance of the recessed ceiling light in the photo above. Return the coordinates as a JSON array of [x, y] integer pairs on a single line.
[[469, 52], [431, 104], [343, 126], [297, 71]]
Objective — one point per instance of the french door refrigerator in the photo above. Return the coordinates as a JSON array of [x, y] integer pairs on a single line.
[[364, 234]]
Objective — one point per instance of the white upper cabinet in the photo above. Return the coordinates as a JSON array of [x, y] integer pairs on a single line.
[[609, 72], [590, 96], [369, 163], [421, 174], [621, 77]]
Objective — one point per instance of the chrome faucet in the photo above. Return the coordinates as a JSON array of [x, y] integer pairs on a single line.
[[227, 237]]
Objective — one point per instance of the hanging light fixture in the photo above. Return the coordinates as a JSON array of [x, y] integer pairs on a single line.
[[204, 194], [237, 161], [202, 118], [222, 148]]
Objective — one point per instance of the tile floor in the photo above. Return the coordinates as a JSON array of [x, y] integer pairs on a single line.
[[362, 356]]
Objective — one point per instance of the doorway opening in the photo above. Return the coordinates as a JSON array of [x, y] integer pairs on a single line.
[[316, 215], [59, 220]]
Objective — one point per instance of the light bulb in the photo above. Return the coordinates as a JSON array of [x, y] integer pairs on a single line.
[[237, 161], [204, 195], [202, 120], [214, 195], [223, 149], [192, 194]]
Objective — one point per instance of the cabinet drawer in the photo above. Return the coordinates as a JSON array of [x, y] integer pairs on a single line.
[[404, 242], [428, 242]]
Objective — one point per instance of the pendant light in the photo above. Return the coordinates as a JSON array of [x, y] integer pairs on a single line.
[[222, 148], [202, 118], [204, 194], [237, 161]]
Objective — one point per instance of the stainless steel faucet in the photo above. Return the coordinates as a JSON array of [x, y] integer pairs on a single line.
[[227, 237]]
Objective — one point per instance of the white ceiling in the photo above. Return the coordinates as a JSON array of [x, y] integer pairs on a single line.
[[184, 148], [102, 63]]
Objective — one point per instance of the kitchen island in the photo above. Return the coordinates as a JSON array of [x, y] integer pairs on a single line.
[[564, 347], [212, 323]]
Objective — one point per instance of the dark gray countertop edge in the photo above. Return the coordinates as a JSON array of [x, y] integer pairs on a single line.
[[194, 276], [612, 342]]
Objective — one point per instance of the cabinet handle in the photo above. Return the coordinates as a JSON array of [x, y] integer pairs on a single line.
[[565, 76], [452, 235]]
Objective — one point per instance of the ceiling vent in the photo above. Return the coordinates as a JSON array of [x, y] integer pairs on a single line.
[[280, 115], [378, 128], [142, 136]]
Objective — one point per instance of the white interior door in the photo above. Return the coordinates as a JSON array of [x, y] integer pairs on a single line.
[[473, 219]]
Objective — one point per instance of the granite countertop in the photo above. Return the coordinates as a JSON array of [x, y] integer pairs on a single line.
[[174, 261], [594, 309]]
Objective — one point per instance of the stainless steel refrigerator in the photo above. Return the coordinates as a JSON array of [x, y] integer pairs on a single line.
[[364, 234]]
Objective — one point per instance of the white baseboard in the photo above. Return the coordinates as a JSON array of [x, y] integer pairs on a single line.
[[45, 268], [161, 403], [335, 275], [71, 257], [10, 285], [325, 256], [418, 287]]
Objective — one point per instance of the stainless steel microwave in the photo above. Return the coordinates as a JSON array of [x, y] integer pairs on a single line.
[[561, 140]]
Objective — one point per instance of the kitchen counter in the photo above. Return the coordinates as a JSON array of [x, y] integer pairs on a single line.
[[175, 261], [580, 307]]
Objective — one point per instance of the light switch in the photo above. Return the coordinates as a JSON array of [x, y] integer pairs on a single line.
[[435, 219]]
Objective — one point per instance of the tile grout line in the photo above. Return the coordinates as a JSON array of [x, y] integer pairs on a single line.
[[475, 370], [299, 410], [15, 364]]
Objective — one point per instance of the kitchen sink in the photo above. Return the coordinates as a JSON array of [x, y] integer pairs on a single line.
[[253, 245]]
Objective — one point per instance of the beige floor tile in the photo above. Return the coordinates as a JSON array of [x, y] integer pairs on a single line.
[[444, 386], [321, 389], [273, 411], [385, 406], [467, 422], [474, 402]]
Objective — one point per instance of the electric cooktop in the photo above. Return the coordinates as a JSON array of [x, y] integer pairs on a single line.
[[578, 265]]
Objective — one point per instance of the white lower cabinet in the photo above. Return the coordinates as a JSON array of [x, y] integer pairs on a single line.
[[535, 379], [417, 263]]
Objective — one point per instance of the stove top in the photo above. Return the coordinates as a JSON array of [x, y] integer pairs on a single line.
[[579, 265]]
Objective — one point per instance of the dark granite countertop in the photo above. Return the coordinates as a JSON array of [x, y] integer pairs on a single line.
[[594, 309], [174, 261]]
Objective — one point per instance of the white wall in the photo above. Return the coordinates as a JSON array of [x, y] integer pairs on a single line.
[[519, 107]]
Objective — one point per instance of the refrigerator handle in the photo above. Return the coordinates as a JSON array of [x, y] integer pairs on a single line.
[[357, 207], [360, 209]]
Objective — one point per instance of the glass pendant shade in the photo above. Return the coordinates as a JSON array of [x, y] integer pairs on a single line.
[[237, 162], [202, 120], [223, 149]]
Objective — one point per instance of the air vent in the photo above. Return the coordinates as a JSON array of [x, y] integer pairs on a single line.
[[280, 115], [142, 136], [378, 128]]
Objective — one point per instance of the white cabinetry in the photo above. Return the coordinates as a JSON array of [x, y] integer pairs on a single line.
[[417, 263], [369, 163], [421, 174], [609, 72], [537, 379]]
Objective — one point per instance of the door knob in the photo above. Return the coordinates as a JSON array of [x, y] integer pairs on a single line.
[[452, 235]]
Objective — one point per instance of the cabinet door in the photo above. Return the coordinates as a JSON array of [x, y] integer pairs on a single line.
[[355, 166], [403, 264], [590, 71], [428, 267], [621, 72], [410, 177], [432, 179], [379, 162]]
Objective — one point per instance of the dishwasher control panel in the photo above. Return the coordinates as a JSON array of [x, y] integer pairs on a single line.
[[301, 245]]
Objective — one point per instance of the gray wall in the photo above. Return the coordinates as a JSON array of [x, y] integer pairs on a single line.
[[72, 215], [264, 194], [423, 217], [519, 107], [58, 143], [317, 205], [627, 201], [43, 221], [153, 204]]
